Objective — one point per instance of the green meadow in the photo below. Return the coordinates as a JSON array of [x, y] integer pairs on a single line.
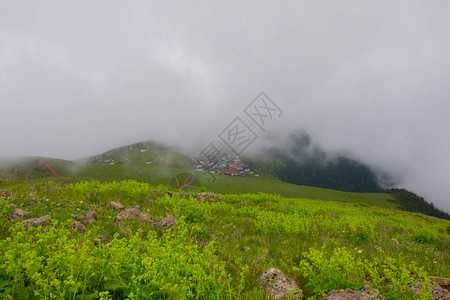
[[323, 239]]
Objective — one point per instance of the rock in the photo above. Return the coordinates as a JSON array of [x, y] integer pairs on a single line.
[[441, 293], [116, 205], [37, 221], [279, 285], [437, 291], [167, 222], [102, 239], [208, 196], [366, 293], [133, 213], [19, 214], [145, 217], [4, 193], [77, 225], [32, 203], [87, 217], [129, 213], [443, 282], [90, 215], [12, 205]]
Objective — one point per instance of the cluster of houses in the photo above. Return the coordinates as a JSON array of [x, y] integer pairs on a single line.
[[225, 165]]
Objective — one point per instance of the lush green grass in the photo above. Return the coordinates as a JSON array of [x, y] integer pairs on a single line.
[[268, 184], [217, 249]]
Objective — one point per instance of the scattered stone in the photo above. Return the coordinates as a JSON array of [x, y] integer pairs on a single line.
[[102, 239], [168, 193], [208, 196], [134, 213], [32, 203], [129, 213], [167, 222], [441, 293], [366, 293], [37, 221], [77, 225], [116, 205], [87, 217], [437, 291], [145, 217], [12, 205], [4, 193], [443, 282], [90, 215], [19, 214], [279, 285]]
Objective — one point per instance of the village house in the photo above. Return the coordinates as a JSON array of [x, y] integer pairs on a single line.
[[108, 162], [224, 165]]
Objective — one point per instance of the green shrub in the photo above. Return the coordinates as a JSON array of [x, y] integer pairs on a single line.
[[325, 270], [57, 263]]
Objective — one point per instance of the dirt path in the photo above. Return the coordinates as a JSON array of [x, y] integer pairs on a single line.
[[161, 159], [190, 180], [46, 165]]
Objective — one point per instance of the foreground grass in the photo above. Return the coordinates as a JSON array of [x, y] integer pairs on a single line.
[[216, 250]]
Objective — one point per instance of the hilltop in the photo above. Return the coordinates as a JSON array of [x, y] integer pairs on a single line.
[[156, 164]]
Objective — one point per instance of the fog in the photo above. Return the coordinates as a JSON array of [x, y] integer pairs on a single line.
[[372, 79]]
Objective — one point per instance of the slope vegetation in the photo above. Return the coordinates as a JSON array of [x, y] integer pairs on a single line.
[[217, 246]]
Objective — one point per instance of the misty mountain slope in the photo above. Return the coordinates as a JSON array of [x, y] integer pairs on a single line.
[[296, 160], [27, 168], [146, 161], [172, 168], [155, 164]]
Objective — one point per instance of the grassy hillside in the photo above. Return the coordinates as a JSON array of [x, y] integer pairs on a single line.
[[217, 249], [269, 184], [27, 168], [165, 165], [155, 164], [172, 169]]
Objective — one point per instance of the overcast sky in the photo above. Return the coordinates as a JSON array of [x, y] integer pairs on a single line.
[[369, 77]]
